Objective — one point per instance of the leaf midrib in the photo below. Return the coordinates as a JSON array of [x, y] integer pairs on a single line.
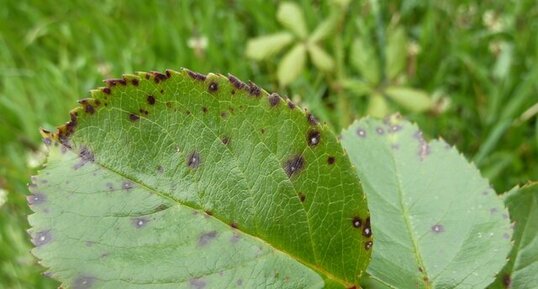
[[408, 225]]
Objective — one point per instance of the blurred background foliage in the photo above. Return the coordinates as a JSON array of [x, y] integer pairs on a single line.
[[464, 70]]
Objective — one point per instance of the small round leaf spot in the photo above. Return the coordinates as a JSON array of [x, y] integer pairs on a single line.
[[193, 160], [213, 86], [438, 228], [313, 138]]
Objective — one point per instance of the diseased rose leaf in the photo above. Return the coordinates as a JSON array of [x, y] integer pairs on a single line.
[[182, 180], [521, 271], [437, 223]]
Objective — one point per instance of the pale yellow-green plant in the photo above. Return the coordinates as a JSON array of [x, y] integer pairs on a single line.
[[386, 84], [303, 44]]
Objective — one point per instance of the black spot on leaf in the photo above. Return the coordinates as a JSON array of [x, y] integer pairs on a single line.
[[312, 119], [127, 186], [213, 86], [85, 156], [294, 165], [42, 238], [253, 89], [395, 128], [331, 160], [106, 90], [139, 222], [204, 109], [225, 140], [235, 82], [313, 138], [133, 117], [274, 99], [206, 238], [302, 197], [234, 225], [357, 222], [367, 230], [134, 81], [158, 77], [151, 99], [291, 105], [193, 160], [84, 282], [507, 280], [438, 228], [197, 283], [36, 199], [196, 76], [361, 132]]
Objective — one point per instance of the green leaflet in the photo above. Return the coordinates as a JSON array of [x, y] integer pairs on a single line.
[[181, 180], [521, 271], [437, 223]]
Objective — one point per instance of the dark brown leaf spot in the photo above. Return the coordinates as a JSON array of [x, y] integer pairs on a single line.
[[127, 186], [312, 119], [367, 230], [357, 222], [331, 160], [507, 280], [225, 140], [235, 82], [134, 81], [361, 132], [395, 128], [234, 225], [368, 245], [438, 228], [294, 165], [106, 90], [139, 222], [302, 197], [84, 282], [133, 117], [206, 238], [42, 238], [196, 76], [274, 99], [197, 283], [253, 89], [158, 77], [313, 138], [193, 160], [213, 87], [291, 105], [151, 99], [36, 199]]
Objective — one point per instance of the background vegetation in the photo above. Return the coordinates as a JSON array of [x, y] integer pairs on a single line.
[[475, 61]]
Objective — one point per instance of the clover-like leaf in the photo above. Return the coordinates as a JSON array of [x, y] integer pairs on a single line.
[[291, 16], [292, 64], [182, 180], [365, 60], [265, 46], [521, 271], [413, 99], [396, 52], [320, 58], [437, 223]]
